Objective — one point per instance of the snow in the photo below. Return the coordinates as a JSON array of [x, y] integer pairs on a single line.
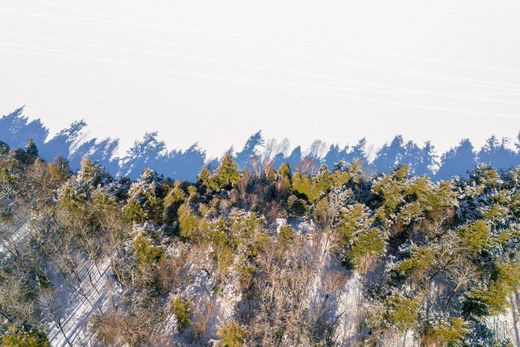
[[350, 302], [300, 226], [507, 325], [75, 310]]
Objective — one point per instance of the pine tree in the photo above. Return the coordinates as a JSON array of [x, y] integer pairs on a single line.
[[227, 173]]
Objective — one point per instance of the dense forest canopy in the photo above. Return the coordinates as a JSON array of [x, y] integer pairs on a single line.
[[273, 255]]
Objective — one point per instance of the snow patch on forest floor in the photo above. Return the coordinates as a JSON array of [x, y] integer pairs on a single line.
[[77, 303], [507, 325], [349, 310]]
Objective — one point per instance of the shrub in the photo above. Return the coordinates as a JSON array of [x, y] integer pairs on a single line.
[[182, 310], [16, 337], [231, 335], [188, 223], [172, 202], [285, 236], [222, 245]]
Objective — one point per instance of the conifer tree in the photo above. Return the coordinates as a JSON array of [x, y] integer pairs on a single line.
[[227, 173], [31, 148]]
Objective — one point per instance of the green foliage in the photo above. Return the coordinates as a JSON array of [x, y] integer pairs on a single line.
[[19, 337], [355, 220], [134, 212], [285, 170], [422, 259], [446, 334], [260, 240], [410, 213], [247, 234], [192, 192], [367, 244], [443, 249], [76, 194], [515, 204], [341, 176], [495, 212], [101, 202], [224, 258], [312, 187], [508, 274], [296, 206], [402, 172], [59, 170], [485, 176], [8, 182], [43, 281], [145, 201], [437, 204], [358, 241], [225, 176], [188, 224], [172, 202], [474, 237], [285, 236], [90, 174], [285, 175], [390, 189], [182, 310], [206, 180], [444, 196], [413, 201], [493, 299], [488, 301], [147, 253], [231, 335], [222, 244], [227, 173], [402, 313], [322, 211], [302, 184]]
